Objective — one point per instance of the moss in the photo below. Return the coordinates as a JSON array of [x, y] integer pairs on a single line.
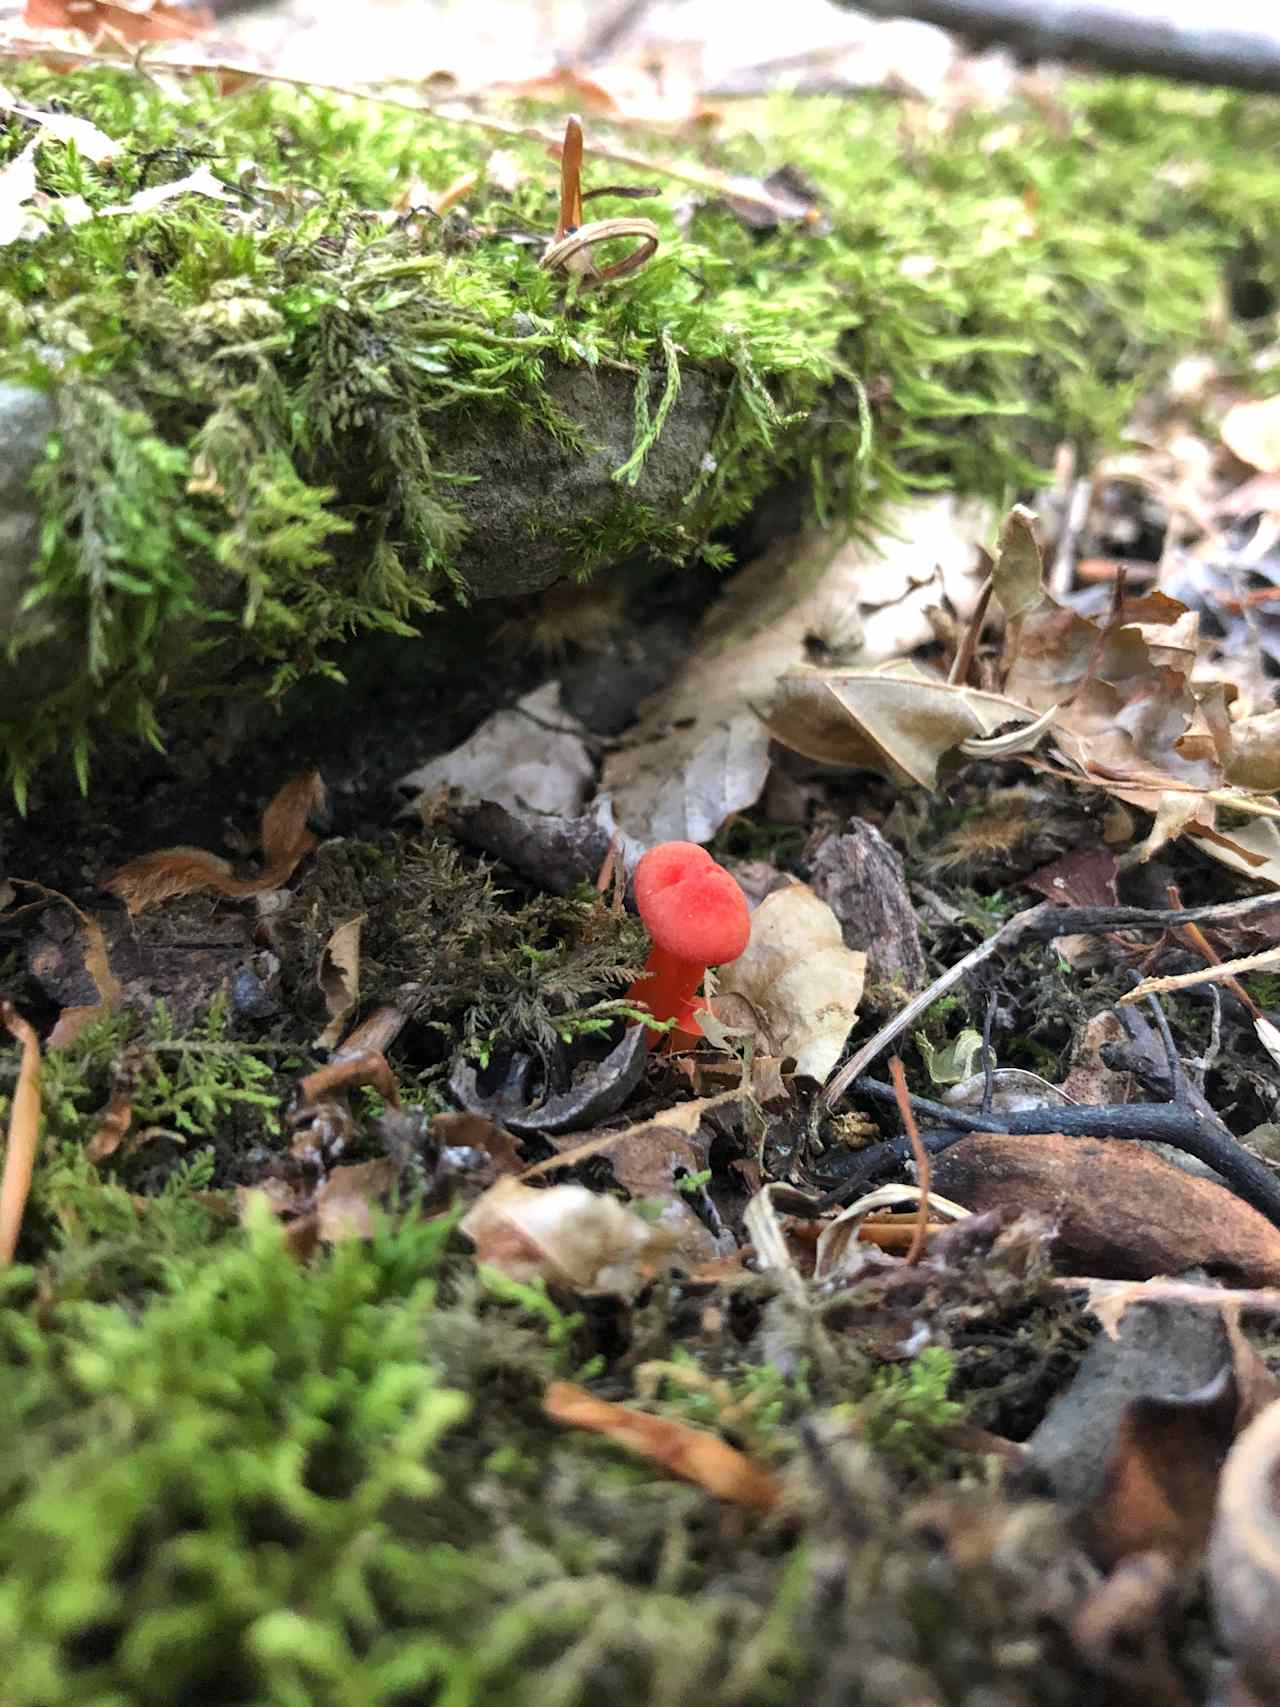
[[278, 416], [474, 962]]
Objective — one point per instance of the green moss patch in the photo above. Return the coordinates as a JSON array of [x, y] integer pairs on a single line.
[[280, 418]]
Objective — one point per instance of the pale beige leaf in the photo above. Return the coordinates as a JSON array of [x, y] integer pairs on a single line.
[[17, 186], [338, 976], [799, 979], [531, 758], [1018, 573], [565, 1235], [899, 726], [701, 749], [1251, 431]]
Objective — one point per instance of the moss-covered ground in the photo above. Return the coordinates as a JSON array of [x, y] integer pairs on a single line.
[[242, 1475], [273, 409]]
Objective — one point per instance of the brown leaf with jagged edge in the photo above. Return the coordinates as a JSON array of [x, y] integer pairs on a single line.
[[900, 725], [691, 1453], [286, 841], [1017, 576]]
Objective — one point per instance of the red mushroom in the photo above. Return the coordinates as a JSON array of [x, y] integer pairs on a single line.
[[698, 917]]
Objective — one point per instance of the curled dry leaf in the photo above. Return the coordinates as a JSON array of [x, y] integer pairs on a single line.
[[688, 1452], [170, 872], [1121, 1211], [1244, 1558], [24, 1131], [565, 1235], [900, 725], [800, 982], [338, 976]]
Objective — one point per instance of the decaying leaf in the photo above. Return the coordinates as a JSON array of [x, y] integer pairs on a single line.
[[529, 759], [1120, 1210], [565, 1235], [347, 1204], [170, 872], [701, 749], [597, 1091], [1244, 1559], [24, 1131], [799, 982], [690, 1453], [338, 976], [900, 725]]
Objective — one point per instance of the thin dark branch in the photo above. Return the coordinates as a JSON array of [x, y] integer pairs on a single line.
[[1109, 37], [1179, 1124], [1039, 924]]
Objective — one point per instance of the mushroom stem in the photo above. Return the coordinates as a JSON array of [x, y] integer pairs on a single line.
[[667, 987]]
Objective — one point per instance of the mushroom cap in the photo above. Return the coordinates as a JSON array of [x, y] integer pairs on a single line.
[[692, 907]]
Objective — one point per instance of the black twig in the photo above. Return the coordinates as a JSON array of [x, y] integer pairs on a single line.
[[1178, 1123]]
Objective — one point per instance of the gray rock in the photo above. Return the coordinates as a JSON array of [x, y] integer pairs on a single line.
[[1161, 1351], [27, 418], [528, 495]]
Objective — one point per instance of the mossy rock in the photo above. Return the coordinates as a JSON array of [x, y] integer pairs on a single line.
[[283, 415]]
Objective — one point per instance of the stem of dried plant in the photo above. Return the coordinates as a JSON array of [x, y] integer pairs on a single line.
[[24, 1132], [924, 1174]]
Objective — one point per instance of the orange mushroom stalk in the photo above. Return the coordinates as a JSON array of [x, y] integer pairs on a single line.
[[698, 917]]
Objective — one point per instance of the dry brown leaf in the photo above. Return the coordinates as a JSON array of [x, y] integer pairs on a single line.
[[338, 976], [1120, 1211], [1254, 758], [157, 21], [688, 1452], [565, 1235], [1251, 431], [899, 725], [346, 1205], [24, 1132], [347, 1071], [802, 985], [170, 872], [478, 1132]]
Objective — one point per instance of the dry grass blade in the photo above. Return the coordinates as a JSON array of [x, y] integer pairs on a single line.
[[24, 1132], [1223, 972], [921, 1155], [688, 1452]]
